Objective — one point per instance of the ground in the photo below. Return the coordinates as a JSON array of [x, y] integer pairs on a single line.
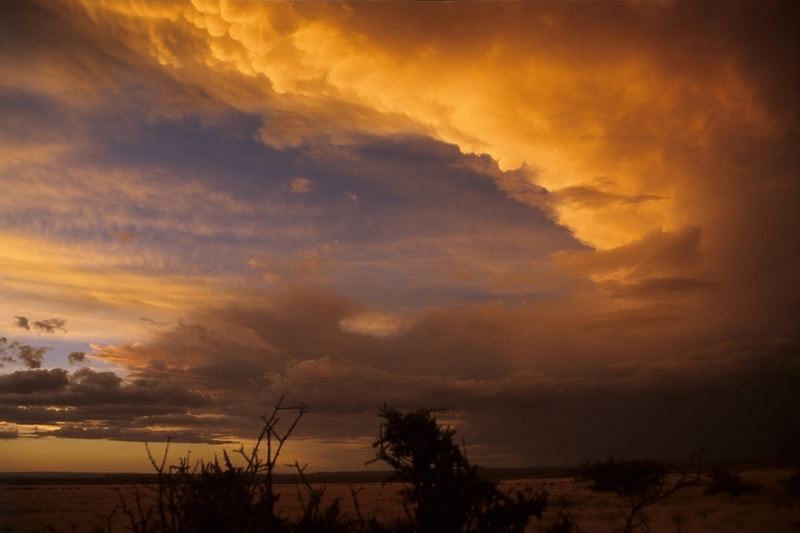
[[85, 507]]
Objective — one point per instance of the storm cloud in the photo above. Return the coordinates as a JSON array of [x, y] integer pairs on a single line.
[[574, 229], [230, 365]]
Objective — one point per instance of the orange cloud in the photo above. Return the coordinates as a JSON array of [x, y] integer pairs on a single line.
[[613, 127], [660, 136], [623, 122], [301, 185], [102, 292]]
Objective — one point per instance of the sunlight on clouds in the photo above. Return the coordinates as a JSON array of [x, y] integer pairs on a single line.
[[12, 153], [106, 298], [93, 455], [539, 210], [375, 324], [529, 107], [625, 141], [302, 185]]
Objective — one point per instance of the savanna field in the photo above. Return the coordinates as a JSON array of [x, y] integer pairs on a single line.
[[84, 507]]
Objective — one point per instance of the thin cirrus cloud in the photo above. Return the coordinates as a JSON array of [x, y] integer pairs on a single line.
[[573, 211]]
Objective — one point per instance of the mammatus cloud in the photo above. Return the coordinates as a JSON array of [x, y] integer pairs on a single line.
[[322, 74], [588, 139], [585, 140]]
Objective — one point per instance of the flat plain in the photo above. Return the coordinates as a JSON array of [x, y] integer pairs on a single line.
[[88, 507]]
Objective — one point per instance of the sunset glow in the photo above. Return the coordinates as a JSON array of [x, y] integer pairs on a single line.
[[572, 225]]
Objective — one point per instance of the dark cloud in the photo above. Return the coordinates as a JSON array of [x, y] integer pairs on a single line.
[[76, 357], [210, 378], [30, 356], [654, 254], [657, 287], [589, 196], [5, 356], [127, 415], [91, 379], [634, 319], [25, 354], [33, 381], [87, 397], [50, 325], [154, 322], [70, 431], [753, 361], [730, 399], [87, 387]]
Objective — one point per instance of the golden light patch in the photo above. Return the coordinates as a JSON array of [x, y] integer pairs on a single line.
[[614, 124], [106, 296], [375, 324]]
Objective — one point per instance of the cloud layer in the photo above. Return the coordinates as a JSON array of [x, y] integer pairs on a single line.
[[571, 224]]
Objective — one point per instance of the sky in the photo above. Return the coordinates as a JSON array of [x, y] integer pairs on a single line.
[[573, 227]]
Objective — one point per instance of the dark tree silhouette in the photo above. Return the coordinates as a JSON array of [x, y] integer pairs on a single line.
[[641, 483], [444, 493]]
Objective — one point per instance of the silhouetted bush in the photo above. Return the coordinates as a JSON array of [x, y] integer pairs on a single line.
[[724, 481], [219, 496], [641, 483], [444, 493], [632, 478]]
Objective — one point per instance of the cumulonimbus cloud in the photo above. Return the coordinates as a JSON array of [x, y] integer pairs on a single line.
[[556, 225]]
